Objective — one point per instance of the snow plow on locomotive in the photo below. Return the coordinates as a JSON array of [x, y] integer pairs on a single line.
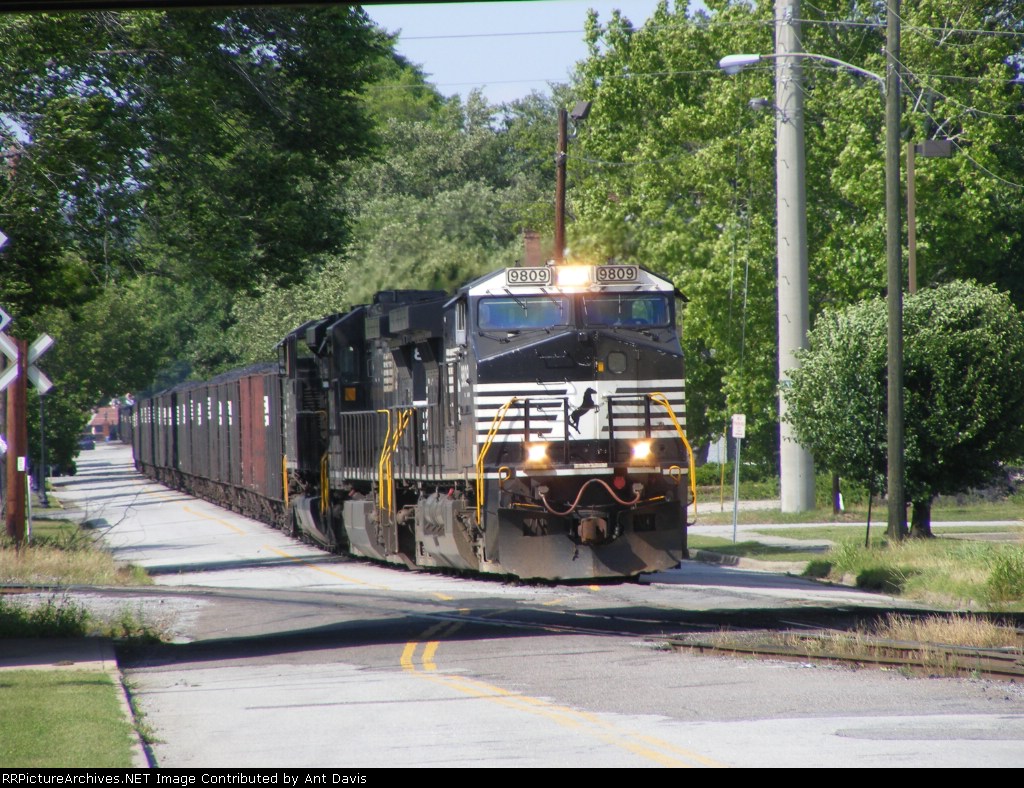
[[530, 425]]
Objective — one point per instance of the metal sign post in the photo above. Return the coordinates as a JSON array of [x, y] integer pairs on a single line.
[[739, 431]]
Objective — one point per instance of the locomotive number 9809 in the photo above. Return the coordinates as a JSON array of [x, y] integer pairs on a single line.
[[531, 275], [610, 274]]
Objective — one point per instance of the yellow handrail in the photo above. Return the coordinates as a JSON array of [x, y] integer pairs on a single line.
[[325, 491], [662, 400], [385, 491], [404, 417], [499, 417], [380, 462]]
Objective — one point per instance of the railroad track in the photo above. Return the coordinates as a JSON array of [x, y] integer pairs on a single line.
[[922, 658]]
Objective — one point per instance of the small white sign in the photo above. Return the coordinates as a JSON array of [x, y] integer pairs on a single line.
[[739, 425]]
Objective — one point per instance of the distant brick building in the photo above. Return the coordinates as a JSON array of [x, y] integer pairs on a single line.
[[103, 422]]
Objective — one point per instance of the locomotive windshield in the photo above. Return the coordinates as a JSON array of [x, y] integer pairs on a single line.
[[626, 309], [523, 312]]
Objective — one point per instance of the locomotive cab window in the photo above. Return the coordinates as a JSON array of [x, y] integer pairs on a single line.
[[627, 309], [348, 363], [522, 312]]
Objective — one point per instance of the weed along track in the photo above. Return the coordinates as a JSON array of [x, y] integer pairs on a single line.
[[933, 659]]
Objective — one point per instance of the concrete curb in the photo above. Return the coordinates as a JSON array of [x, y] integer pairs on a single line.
[[752, 564]]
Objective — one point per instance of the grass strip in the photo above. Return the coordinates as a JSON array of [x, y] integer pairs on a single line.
[[62, 718]]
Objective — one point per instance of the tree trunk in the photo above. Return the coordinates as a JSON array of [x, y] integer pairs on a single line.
[[921, 520]]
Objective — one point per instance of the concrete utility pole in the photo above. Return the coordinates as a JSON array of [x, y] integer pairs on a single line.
[[796, 465]]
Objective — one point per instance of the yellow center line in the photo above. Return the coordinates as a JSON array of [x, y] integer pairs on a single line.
[[408, 660], [428, 655], [648, 747], [330, 572], [680, 750], [577, 720], [407, 656], [225, 523]]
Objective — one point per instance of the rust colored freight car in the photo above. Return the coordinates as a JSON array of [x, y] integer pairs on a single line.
[[219, 440]]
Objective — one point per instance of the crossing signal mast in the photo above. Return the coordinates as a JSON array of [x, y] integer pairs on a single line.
[[21, 369]]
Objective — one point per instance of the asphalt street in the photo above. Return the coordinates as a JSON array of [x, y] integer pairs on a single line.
[[282, 655]]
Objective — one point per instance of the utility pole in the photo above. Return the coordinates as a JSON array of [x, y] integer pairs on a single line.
[[17, 446], [796, 465], [897, 521], [560, 157], [14, 381]]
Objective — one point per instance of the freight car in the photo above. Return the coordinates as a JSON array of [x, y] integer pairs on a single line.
[[531, 424]]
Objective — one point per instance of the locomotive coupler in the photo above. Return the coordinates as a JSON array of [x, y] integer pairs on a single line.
[[592, 528]]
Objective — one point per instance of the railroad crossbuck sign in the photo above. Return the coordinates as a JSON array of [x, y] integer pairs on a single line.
[[35, 375]]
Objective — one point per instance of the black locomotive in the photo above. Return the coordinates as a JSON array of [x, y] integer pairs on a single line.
[[531, 425]]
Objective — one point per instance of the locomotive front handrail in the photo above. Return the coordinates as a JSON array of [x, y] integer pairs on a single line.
[[661, 399], [499, 417]]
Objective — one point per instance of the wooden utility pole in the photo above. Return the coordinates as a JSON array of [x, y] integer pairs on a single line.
[[896, 492], [17, 446], [560, 156]]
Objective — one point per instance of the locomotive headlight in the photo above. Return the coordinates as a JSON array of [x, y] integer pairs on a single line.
[[641, 450], [536, 453], [573, 275]]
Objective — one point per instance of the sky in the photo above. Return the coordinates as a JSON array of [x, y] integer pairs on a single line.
[[507, 49]]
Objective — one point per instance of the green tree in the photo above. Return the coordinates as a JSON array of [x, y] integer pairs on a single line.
[[964, 408], [674, 171], [262, 319], [114, 344], [445, 199], [191, 144], [449, 197], [154, 165]]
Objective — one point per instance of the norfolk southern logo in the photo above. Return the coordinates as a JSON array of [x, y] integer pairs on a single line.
[[585, 407]]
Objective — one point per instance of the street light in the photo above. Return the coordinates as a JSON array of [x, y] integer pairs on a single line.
[[792, 231], [734, 64]]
